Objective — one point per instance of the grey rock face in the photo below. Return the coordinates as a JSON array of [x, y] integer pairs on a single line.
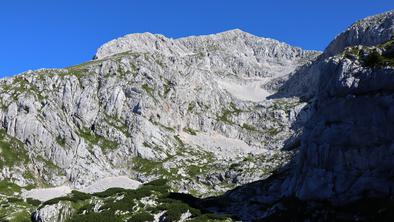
[[304, 82], [191, 109], [59, 212], [345, 150], [369, 31]]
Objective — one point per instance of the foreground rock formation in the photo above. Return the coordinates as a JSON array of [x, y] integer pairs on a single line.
[[345, 159]]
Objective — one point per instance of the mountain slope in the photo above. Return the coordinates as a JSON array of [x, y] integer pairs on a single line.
[[343, 170], [192, 110], [209, 113]]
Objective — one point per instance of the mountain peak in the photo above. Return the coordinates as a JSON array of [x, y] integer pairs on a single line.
[[149, 42], [234, 32], [234, 39], [137, 42]]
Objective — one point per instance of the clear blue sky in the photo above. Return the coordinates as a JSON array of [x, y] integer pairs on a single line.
[[60, 33]]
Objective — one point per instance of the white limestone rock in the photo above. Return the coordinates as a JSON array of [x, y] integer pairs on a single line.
[[149, 107]]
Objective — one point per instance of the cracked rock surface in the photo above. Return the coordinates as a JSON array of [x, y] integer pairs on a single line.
[[345, 155], [192, 110]]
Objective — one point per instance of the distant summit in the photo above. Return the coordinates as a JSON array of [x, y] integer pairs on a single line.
[[148, 42]]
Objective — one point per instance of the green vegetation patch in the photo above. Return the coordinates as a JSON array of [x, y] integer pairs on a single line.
[[227, 113], [77, 71], [123, 200], [61, 141], [273, 131], [194, 170], [167, 128], [179, 141], [48, 164], [12, 151], [96, 217], [117, 124], [147, 166], [167, 87], [8, 188], [175, 209], [191, 106], [126, 205], [376, 57], [190, 131], [13, 208], [249, 127], [20, 85], [33, 202], [284, 104], [141, 217], [96, 139], [148, 90]]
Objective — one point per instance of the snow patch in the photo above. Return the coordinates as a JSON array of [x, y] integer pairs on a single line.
[[247, 91], [110, 182], [46, 193]]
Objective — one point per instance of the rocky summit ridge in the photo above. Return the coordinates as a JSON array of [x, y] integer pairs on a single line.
[[164, 119], [235, 40]]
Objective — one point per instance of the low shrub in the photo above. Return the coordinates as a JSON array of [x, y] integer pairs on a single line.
[[141, 217], [96, 217], [374, 59], [109, 192], [175, 209], [78, 196], [33, 202]]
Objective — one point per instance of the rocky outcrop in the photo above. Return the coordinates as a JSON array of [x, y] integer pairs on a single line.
[[59, 212], [345, 154], [346, 150], [369, 31]]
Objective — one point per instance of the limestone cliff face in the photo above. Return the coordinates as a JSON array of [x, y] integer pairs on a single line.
[[369, 31], [345, 152], [149, 106]]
